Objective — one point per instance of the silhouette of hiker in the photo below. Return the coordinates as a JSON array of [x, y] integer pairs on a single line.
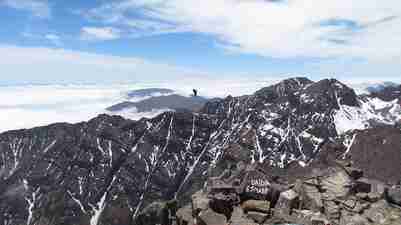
[[195, 92]]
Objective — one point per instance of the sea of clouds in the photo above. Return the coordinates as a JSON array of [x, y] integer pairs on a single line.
[[27, 106]]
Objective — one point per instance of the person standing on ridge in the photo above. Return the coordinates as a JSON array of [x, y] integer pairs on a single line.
[[195, 92]]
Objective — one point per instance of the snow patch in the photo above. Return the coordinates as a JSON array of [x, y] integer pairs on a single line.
[[372, 109]]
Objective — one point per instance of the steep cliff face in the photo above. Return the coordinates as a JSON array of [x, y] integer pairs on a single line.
[[107, 170], [378, 152]]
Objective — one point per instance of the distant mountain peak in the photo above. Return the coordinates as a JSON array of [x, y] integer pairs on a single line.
[[284, 88], [163, 102], [331, 93]]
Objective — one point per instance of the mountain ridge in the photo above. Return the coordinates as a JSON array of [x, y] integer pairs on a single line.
[[114, 164]]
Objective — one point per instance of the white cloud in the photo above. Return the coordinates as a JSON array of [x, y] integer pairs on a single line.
[[100, 33], [279, 29], [47, 65], [53, 38], [39, 8], [48, 37]]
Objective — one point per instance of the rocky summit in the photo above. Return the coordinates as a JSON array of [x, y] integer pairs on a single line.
[[334, 195], [297, 152]]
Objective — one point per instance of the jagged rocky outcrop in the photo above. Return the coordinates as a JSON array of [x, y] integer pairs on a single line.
[[111, 170]]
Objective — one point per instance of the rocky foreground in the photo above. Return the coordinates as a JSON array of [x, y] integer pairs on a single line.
[[330, 192]]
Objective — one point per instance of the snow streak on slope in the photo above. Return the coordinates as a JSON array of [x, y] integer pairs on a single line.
[[100, 206]]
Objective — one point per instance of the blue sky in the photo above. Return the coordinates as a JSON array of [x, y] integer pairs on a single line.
[[60, 41]]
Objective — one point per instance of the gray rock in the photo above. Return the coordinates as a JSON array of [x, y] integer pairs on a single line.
[[155, 213], [369, 190], [337, 183], [319, 219], [216, 184], [393, 195], [332, 210], [223, 203], [360, 207], [373, 197], [355, 205], [200, 202], [184, 215], [209, 217], [383, 213], [309, 194], [354, 220], [239, 218], [258, 217], [256, 205], [363, 185], [355, 173], [307, 217], [287, 201]]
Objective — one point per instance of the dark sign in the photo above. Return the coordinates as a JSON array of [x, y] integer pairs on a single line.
[[257, 186]]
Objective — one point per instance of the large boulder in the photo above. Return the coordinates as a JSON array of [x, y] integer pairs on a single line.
[[336, 183], [184, 216], [258, 217], [393, 195], [256, 205], [209, 217], [223, 196], [239, 218], [353, 172], [223, 203], [287, 201], [309, 194], [200, 202], [363, 185], [332, 210]]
